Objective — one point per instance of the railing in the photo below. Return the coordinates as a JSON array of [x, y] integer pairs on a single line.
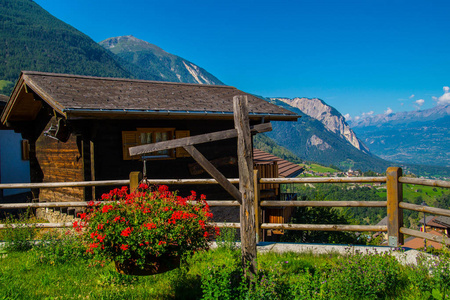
[[394, 204]]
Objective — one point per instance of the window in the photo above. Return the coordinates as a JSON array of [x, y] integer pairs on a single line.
[[144, 136]]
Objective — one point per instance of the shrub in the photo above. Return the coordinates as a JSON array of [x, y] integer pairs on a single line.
[[369, 275], [227, 238], [55, 249], [19, 233]]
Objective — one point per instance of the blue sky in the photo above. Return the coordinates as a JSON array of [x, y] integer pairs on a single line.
[[361, 56]]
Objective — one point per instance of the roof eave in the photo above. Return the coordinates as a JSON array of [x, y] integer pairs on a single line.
[[76, 113]]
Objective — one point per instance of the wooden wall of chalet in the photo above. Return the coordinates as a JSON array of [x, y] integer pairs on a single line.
[[94, 152], [60, 162], [109, 163]]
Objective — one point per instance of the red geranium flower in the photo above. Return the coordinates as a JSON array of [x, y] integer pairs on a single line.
[[126, 232]]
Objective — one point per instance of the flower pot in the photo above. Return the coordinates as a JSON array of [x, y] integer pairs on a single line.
[[153, 265]]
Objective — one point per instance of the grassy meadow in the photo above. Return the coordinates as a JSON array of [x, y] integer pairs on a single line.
[[59, 268]]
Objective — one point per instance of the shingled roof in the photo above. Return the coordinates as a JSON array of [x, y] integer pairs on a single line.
[[76, 96], [286, 169]]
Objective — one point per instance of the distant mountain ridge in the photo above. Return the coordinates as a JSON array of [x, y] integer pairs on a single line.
[[311, 140], [328, 116], [431, 114], [417, 137], [150, 61]]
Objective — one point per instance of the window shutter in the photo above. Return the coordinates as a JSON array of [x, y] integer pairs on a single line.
[[129, 139], [180, 152], [25, 146]]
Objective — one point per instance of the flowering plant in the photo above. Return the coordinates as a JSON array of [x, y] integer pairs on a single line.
[[152, 221]]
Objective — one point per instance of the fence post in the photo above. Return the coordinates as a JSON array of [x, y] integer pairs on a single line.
[[258, 215], [394, 212], [135, 178], [245, 163]]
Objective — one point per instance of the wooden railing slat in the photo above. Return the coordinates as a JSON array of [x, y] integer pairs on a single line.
[[324, 180], [426, 209], [324, 227], [427, 182], [425, 235], [325, 203]]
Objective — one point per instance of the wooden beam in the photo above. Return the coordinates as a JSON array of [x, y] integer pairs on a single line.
[[246, 186], [324, 227], [193, 140], [424, 235], [258, 211], [394, 212], [135, 179], [221, 179], [278, 203], [425, 209]]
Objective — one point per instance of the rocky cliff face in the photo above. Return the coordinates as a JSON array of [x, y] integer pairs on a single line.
[[328, 116]]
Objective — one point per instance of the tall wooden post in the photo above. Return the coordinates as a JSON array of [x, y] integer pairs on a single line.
[[246, 185], [258, 214], [394, 212], [135, 178]]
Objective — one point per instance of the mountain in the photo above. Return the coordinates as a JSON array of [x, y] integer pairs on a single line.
[[148, 61], [328, 116], [32, 39], [435, 113], [417, 137], [311, 140]]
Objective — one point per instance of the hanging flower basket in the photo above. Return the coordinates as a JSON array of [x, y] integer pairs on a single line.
[[148, 230]]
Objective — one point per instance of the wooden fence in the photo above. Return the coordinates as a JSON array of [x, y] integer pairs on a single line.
[[394, 203]]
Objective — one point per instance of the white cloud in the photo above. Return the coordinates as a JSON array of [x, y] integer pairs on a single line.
[[388, 111], [367, 114], [412, 96], [357, 118], [420, 102], [444, 99], [347, 117]]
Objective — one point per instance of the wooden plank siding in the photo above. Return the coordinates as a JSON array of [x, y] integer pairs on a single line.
[[109, 163], [58, 162]]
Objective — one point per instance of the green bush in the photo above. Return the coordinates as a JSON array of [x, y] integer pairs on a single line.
[[227, 238], [368, 276], [431, 276], [19, 232], [55, 249]]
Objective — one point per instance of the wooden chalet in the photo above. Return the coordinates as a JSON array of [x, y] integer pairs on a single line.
[[79, 128], [270, 166]]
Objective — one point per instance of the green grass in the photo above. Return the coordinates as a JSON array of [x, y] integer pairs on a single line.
[[318, 168], [306, 276], [411, 192]]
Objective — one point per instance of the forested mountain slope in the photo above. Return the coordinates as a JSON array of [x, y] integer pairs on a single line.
[[32, 39]]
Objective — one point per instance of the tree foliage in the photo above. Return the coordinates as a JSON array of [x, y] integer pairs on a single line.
[[32, 39]]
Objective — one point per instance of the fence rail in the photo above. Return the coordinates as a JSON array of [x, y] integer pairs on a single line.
[[394, 203]]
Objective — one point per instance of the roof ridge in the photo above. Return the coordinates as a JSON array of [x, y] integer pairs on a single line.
[[123, 79]]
